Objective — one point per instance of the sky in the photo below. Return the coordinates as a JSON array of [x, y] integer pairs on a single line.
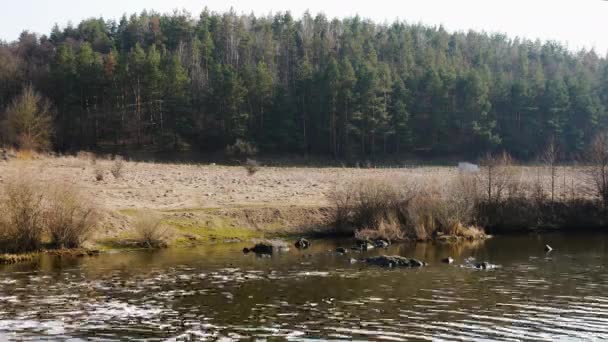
[[576, 23]]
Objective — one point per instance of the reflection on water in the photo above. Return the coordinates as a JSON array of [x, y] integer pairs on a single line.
[[217, 292]]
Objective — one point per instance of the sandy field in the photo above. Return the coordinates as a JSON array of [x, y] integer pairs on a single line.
[[180, 186]]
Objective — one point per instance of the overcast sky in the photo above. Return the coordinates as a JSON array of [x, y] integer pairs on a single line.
[[578, 23]]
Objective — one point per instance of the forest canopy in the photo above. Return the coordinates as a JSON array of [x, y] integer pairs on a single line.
[[309, 85]]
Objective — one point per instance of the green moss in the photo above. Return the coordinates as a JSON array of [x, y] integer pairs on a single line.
[[213, 228]]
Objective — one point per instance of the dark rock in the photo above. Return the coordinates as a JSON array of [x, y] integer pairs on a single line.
[[548, 248], [268, 248], [416, 263], [341, 250], [381, 243], [302, 244], [363, 245], [394, 261], [448, 260]]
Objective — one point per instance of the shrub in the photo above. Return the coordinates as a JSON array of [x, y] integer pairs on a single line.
[[150, 231], [388, 229], [377, 209], [21, 215], [117, 167], [99, 172], [342, 199], [252, 167], [69, 218], [372, 207], [375, 202]]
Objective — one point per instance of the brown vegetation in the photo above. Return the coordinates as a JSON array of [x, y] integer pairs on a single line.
[[69, 217], [30, 212], [150, 232]]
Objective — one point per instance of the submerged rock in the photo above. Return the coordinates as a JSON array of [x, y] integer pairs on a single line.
[[394, 261], [302, 244]]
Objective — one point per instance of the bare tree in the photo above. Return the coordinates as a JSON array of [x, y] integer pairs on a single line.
[[598, 158], [499, 176], [550, 158], [29, 121]]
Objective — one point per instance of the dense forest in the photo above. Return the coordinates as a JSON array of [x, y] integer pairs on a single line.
[[341, 88]]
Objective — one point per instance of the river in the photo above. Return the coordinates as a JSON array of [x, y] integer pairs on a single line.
[[216, 292]]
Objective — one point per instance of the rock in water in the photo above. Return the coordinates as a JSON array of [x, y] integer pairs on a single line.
[[485, 266], [381, 243], [448, 260], [302, 244], [548, 248], [363, 245], [341, 250], [416, 263], [268, 248], [394, 261]]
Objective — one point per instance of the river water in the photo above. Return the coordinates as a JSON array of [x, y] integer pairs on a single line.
[[216, 292]]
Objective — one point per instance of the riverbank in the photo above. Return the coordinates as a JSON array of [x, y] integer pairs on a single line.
[[212, 203]]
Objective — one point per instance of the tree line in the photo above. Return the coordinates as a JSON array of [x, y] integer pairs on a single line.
[[312, 85]]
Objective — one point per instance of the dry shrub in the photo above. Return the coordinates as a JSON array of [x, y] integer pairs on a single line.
[[99, 172], [377, 209], [252, 167], [388, 229], [372, 207], [117, 167], [424, 214], [342, 198], [500, 177], [21, 215], [150, 231], [375, 202], [70, 217]]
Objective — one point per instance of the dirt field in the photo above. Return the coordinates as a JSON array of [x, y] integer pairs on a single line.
[[268, 198]]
